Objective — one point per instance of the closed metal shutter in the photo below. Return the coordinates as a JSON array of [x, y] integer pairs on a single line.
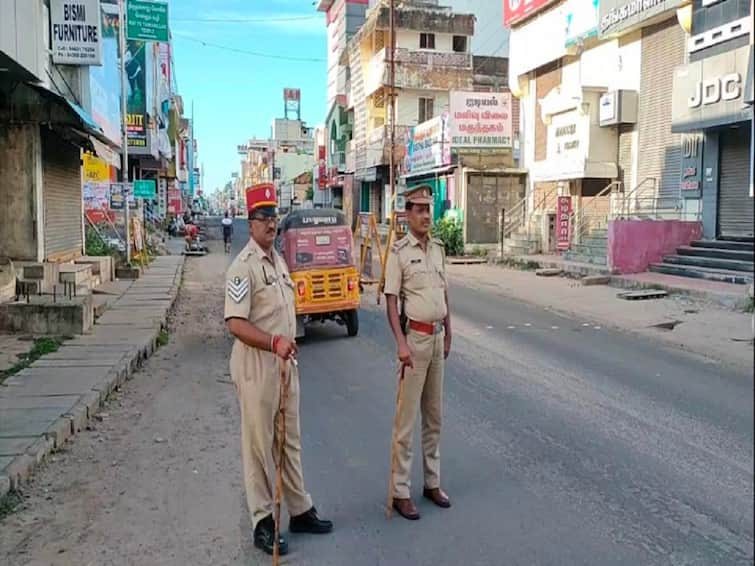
[[660, 154], [626, 134], [735, 206], [486, 196], [62, 198]]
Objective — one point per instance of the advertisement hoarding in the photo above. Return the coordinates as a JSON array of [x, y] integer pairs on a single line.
[[136, 94], [429, 145], [514, 11], [75, 32], [480, 119]]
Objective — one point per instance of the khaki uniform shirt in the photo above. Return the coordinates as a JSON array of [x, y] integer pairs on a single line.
[[261, 291], [418, 277]]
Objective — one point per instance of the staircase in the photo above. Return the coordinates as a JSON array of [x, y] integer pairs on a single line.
[[592, 249], [726, 260], [520, 243]]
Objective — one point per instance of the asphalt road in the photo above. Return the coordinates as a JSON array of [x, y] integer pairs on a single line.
[[563, 443]]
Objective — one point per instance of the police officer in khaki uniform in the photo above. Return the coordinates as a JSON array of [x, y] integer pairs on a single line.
[[415, 276], [259, 312]]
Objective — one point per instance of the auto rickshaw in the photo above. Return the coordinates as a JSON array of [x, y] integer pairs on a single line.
[[318, 247]]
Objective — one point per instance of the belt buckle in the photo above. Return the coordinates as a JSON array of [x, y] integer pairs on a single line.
[[437, 327]]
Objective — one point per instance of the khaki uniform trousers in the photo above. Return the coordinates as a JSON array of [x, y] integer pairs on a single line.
[[256, 375], [423, 389]]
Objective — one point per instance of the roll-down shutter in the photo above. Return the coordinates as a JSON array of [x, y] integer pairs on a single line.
[[735, 206], [62, 198], [660, 156]]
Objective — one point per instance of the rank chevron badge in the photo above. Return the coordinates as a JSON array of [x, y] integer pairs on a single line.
[[238, 288]]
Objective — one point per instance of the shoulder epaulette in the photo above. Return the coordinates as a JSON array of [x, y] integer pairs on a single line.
[[439, 242], [397, 246]]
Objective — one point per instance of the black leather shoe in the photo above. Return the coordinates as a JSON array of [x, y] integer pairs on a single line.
[[264, 537], [309, 522]]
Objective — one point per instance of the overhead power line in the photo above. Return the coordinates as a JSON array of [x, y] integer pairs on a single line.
[[251, 53], [246, 20]]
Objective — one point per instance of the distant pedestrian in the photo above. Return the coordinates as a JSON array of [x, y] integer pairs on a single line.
[[415, 276], [260, 313], [227, 231]]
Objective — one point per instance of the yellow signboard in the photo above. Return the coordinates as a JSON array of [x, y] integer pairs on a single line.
[[95, 169]]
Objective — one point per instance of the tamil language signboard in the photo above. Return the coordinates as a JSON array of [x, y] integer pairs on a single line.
[[75, 30], [563, 237], [145, 188], [514, 11], [622, 16], [147, 20], [480, 119]]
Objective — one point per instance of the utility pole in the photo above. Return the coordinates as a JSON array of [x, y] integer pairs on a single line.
[[124, 123], [392, 101]]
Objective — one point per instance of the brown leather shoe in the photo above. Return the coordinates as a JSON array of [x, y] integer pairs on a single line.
[[437, 496], [406, 508]]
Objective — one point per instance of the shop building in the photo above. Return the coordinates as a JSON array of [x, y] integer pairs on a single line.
[[713, 112]]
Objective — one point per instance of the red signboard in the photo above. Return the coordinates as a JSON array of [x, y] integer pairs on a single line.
[[514, 11], [291, 94], [563, 223], [322, 170]]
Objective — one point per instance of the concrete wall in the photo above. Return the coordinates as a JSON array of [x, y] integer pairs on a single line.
[[19, 163], [634, 244]]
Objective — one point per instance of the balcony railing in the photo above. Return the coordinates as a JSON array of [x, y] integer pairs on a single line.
[[412, 67]]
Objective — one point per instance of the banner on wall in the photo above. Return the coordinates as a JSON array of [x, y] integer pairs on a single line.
[[429, 145]]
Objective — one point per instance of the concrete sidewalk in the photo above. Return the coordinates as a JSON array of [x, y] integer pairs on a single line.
[[51, 400], [694, 323]]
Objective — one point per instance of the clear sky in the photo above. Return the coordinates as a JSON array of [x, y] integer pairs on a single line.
[[237, 95]]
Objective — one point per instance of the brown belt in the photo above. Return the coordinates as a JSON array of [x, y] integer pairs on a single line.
[[426, 327]]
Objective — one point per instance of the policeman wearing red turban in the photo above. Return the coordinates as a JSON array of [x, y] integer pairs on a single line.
[[260, 314]]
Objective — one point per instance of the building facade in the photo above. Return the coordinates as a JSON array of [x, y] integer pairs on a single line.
[[712, 110]]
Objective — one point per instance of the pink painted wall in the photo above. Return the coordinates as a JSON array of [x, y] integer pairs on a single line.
[[634, 244]]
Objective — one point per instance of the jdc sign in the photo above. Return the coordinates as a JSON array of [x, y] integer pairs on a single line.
[[712, 91]]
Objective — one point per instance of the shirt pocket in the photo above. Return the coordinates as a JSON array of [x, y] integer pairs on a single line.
[[417, 276]]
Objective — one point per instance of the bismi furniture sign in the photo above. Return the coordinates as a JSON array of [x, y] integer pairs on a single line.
[[75, 30], [480, 119]]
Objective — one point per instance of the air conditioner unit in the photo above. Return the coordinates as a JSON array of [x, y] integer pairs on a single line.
[[618, 107]]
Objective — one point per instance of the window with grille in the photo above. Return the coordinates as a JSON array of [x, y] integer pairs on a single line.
[[427, 41], [425, 109]]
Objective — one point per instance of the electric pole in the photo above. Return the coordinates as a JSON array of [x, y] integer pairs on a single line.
[[124, 123], [392, 101]]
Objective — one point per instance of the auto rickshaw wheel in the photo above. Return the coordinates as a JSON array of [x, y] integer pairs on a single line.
[[352, 322]]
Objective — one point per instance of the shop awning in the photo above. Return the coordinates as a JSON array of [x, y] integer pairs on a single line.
[[80, 121]]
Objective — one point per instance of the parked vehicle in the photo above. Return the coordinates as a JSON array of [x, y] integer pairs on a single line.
[[318, 247]]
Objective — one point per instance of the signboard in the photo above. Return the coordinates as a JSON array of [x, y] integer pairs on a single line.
[[620, 16], [711, 92], [105, 80], [692, 165], [162, 197], [174, 201], [144, 189], [429, 145], [480, 119], [136, 98], [514, 11], [75, 30], [117, 196], [322, 168], [291, 94], [95, 169], [563, 223], [147, 20]]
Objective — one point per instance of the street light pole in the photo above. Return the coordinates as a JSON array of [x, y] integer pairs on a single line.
[[124, 123]]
